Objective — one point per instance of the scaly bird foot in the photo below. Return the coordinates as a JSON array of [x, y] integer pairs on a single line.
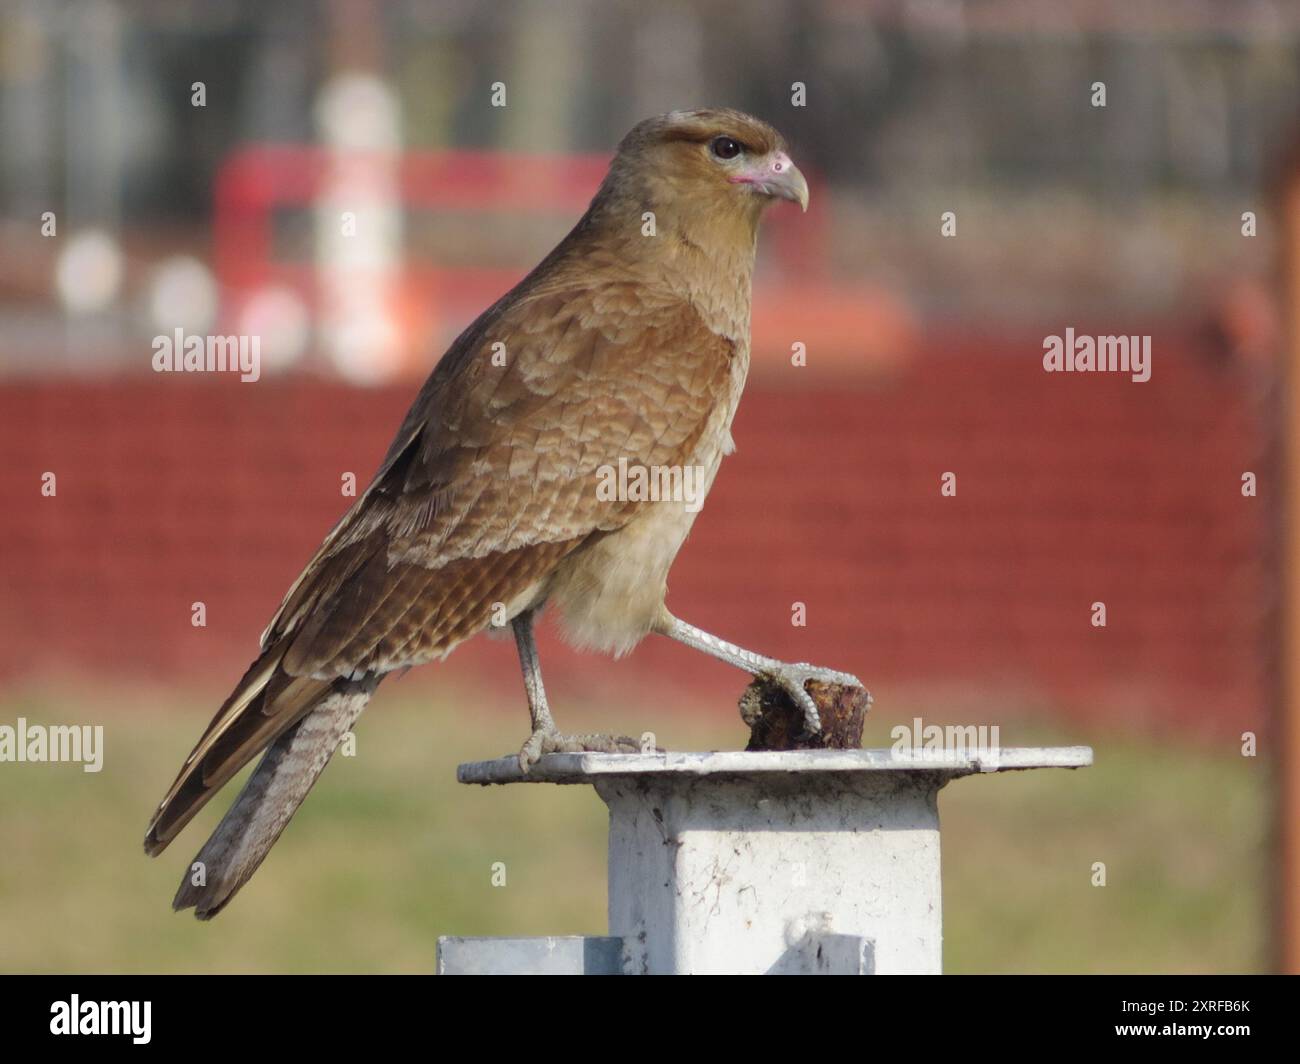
[[792, 677], [545, 741]]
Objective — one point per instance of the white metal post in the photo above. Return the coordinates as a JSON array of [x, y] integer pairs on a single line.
[[811, 861]]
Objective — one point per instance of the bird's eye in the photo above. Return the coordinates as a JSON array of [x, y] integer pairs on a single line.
[[724, 148]]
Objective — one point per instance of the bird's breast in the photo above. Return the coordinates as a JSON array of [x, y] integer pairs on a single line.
[[609, 593]]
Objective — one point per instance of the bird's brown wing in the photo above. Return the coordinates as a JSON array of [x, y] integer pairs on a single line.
[[490, 483]]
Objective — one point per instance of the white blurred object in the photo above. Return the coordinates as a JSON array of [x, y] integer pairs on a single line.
[[280, 319], [183, 293], [358, 112], [88, 273], [359, 227]]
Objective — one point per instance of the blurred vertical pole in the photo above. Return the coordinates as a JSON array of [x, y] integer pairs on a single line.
[[669, 59], [94, 160], [358, 211], [1288, 811], [94, 139], [27, 107], [543, 77]]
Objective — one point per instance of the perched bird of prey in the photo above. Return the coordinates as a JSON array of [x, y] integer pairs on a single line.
[[625, 349]]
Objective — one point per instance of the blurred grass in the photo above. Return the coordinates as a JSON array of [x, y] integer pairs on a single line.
[[389, 851]]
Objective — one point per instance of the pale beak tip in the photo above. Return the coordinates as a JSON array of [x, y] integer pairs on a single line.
[[799, 188]]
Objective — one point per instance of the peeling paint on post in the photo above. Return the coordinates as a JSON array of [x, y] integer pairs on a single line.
[[810, 861]]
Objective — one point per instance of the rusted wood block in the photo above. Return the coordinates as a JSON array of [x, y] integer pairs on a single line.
[[776, 723]]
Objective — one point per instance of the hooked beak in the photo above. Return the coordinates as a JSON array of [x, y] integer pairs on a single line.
[[775, 175]]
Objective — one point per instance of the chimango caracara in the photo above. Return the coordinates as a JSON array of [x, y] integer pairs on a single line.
[[518, 480]]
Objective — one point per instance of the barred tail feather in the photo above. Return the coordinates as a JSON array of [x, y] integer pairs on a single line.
[[269, 799]]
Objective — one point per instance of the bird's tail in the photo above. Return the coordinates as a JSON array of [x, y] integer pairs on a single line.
[[269, 799]]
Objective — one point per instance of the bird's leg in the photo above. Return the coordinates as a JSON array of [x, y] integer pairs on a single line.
[[790, 677], [546, 738], [539, 712]]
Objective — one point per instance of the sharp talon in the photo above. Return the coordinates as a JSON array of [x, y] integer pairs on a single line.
[[812, 721], [791, 679], [528, 755], [554, 742]]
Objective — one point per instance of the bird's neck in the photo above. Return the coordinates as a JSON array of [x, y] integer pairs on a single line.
[[716, 276], [704, 257]]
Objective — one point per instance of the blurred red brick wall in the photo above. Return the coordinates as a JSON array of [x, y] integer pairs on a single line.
[[1071, 489]]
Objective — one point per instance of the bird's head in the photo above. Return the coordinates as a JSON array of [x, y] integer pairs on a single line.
[[708, 163]]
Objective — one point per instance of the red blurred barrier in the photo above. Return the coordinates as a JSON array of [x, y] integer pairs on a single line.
[[1071, 489]]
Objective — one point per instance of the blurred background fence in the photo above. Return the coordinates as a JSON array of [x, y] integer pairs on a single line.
[[172, 492], [337, 180]]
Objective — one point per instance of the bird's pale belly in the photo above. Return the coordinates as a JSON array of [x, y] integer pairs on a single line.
[[610, 592]]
